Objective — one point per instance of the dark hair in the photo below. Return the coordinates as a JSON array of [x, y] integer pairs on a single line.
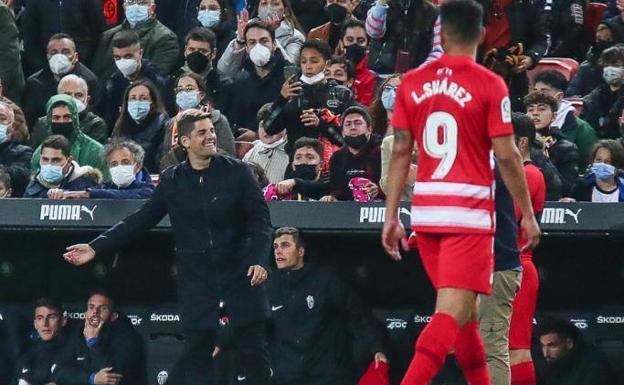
[[5, 177], [264, 112], [312, 143], [319, 45], [362, 111], [523, 127], [104, 293], [124, 125], [348, 64], [293, 232], [186, 123], [378, 111], [612, 55], [257, 23], [125, 38], [562, 328], [352, 23], [61, 36], [289, 14], [462, 20], [201, 85], [537, 97], [551, 78], [202, 34], [258, 173], [48, 302], [615, 149], [57, 142]]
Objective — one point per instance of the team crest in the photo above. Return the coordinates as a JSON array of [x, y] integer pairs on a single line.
[[162, 377], [506, 110], [310, 301]]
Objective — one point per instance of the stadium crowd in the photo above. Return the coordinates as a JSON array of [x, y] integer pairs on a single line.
[[303, 91]]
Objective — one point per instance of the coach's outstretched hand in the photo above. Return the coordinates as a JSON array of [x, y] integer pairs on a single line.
[[393, 234], [532, 231], [79, 254]]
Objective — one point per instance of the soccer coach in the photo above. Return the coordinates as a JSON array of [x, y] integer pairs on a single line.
[[222, 233]]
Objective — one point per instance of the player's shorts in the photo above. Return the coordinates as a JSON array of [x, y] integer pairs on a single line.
[[521, 327], [461, 261]]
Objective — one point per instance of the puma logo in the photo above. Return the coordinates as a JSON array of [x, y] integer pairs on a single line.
[[86, 210], [573, 214]]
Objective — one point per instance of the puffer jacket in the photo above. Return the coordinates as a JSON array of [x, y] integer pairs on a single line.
[[148, 134], [78, 178]]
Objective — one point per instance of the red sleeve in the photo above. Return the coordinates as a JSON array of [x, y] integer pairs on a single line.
[[400, 115], [537, 189], [499, 109]]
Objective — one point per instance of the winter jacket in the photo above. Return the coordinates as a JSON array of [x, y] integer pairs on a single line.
[[314, 316], [16, 159], [588, 77], [10, 61], [221, 227], [575, 130], [552, 177], [602, 109], [564, 155], [365, 83], [584, 365], [566, 27], [583, 188], [148, 134], [90, 124], [118, 346], [77, 179], [215, 83], [41, 86], [84, 150], [159, 45], [141, 188], [35, 365]]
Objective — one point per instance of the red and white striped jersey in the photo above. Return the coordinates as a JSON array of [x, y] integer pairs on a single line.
[[453, 107]]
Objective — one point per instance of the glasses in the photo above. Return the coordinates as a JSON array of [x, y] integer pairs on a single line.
[[388, 87], [187, 88], [354, 123], [137, 2]]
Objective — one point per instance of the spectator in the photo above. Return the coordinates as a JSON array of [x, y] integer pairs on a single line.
[[401, 34], [574, 129], [566, 28], [589, 75], [159, 44], [128, 53], [359, 158], [260, 80], [36, 365], [59, 171], [338, 11], [569, 360], [297, 107], [20, 130], [82, 19], [341, 71], [564, 154], [90, 124], [269, 152], [10, 60], [130, 180], [617, 21], [107, 350], [218, 16], [14, 157], [142, 120], [62, 118], [306, 181], [6, 189], [310, 13], [602, 107], [313, 313], [354, 46], [62, 60], [604, 181], [279, 15]]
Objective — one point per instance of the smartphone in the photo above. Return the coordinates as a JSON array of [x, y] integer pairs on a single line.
[[291, 72]]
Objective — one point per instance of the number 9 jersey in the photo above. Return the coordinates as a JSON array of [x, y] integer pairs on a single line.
[[453, 107]]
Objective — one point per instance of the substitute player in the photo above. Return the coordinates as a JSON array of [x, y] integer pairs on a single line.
[[521, 328], [457, 112]]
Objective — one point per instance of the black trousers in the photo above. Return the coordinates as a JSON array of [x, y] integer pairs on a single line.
[[244, 361]]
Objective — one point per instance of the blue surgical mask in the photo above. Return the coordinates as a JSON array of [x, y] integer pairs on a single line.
[[187, 99], [137, 13], [387, 98], [51, 173], [209, 18], [603, 171], [4, 132], [138, 109]]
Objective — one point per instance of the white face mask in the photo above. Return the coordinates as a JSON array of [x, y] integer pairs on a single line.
[[80, 105], [313, 79], [127, 66], [613, 75], [260, 55], [59, 64], [122, 175]]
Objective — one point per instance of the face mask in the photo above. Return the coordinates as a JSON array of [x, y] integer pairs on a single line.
[[4, 132], [122, 175], [127, 66], [305, 171], [603, 171], [260, 55], [613, 75], [136, 14], [387, 99], [355, 53], [337, 13], [59, 64], [65, 129], [80, 106], [138, 110], [197, 62], [601, 45], [187, 99], [356, 142], [51, 173], [209, 18], [313, 79], [265, 12]]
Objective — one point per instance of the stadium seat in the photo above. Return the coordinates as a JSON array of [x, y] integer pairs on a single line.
[[593, 17], [578, 105], [568, 67]]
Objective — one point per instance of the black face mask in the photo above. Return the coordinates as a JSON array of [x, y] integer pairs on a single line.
[[337, 13], [197, 62], [355, 53], [356, 142], [65, 129], [305, 171]]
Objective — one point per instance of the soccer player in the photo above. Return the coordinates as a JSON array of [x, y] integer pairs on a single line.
[[457, 112]]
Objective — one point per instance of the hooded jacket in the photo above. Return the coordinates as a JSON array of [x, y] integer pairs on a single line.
[[77, 179], [564, 155], [84, 150], [90, 124], [575, 130]]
